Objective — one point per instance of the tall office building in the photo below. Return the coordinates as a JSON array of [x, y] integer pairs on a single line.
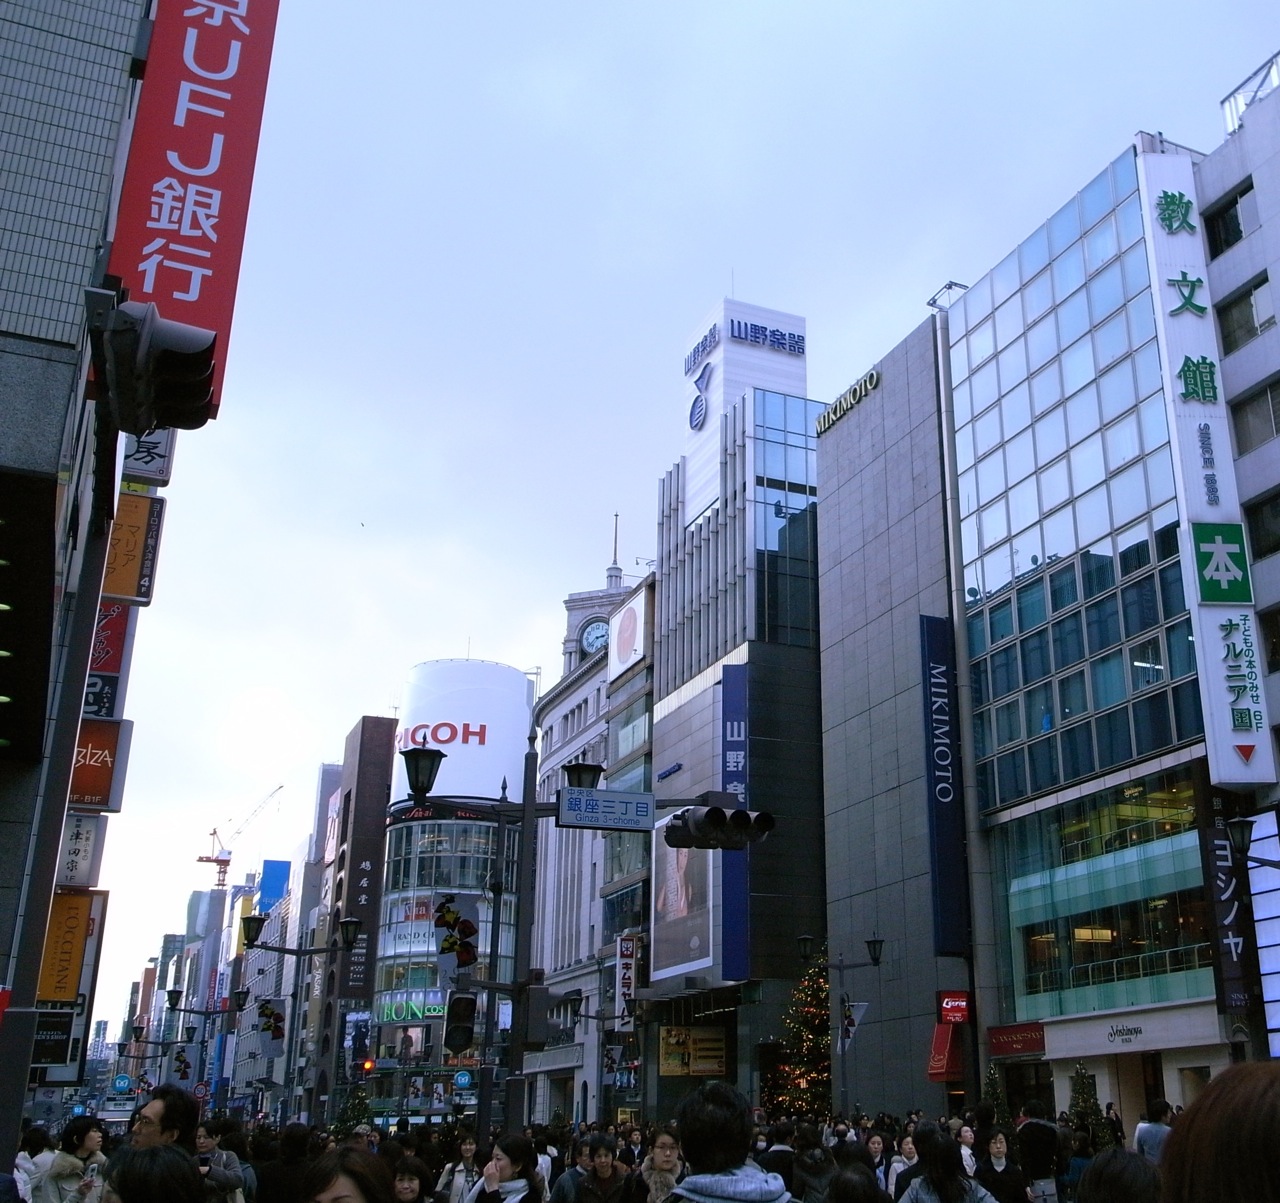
[[1076, 601], [735, 700]]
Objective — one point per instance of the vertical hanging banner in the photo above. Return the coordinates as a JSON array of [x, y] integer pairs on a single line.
[[1215, 565], [185, 201], [624, 982], [271, 1027], [735, 867]]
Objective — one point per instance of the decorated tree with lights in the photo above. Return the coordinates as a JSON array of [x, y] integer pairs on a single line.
[[993, 1092], [1085, 1112], [800, 1084], [355, 1110]]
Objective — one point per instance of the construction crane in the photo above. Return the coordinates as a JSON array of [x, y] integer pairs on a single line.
[[220, 854]]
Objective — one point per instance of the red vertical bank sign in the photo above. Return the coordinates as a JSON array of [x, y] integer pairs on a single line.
[[180, 232]]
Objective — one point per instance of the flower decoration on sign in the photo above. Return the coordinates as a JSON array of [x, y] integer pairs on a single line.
[[461, 932]]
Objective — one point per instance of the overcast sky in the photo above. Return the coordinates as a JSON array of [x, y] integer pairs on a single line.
[[481, 239]]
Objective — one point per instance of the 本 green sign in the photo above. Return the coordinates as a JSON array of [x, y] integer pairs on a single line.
[[1222, 568]]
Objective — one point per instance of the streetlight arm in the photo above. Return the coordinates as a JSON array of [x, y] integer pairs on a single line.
[[1262, 861], [291, 952]]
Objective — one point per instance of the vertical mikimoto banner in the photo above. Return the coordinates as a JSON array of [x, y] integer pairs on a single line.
[[735, 867], [271, 1027], [944, 788]]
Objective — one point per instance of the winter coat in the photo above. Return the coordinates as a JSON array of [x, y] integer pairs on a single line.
[[457, 1180], [742, 1184], [225, 1176], [65, 1173]]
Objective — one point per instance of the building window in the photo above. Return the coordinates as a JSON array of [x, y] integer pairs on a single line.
[[1241, 320], [1256, 419], [1227, 225], [1264, 526], [1269, 623]]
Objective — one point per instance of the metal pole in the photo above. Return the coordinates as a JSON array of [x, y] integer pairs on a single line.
[[516, 1088], [484, 1109], [291, 1036]]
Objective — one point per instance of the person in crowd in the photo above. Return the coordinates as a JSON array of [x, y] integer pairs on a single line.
[[1223, 1147], [1115, 1123], [1001, 1176], [632, 1152], [280, 1179], [840, 1134], [780, 1156], [1038, 1151], [813, 1168], [460, 1175], [714, 1123], [942, 1177], [1117, 1176], [35, 1155], [566, 1187], [660, 1172], [155, 1173], [511, 1173], [220, 1167], [904, 1159], [235, 1140], [74, 1174], [1152, 1135], [876, 1144], [965, 1138], [169, 1117], [607, 1179], [348, 1175], [856, 1184], [1081, 1155], [412, 1179]]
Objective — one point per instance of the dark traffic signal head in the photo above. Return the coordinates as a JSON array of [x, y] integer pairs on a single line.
[[460, 1022], [716, 827], [159, 372]]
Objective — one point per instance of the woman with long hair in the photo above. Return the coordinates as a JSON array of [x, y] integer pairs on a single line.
[[511, 1174], [942, 1178], [348, 1175], [462, 1173]]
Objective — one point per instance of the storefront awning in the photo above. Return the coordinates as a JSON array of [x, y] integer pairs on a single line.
[[946, 1058]]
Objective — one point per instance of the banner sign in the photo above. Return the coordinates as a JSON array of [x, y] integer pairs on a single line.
[[185, 200], [944, 788], [735, 867], [102, 754], [134, 546], [270, 1027], [624, 981], [1215, 566]]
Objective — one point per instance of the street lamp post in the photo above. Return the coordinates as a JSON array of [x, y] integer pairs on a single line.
[[251, 927], [875, 950], [421, 766], [239, 1000]]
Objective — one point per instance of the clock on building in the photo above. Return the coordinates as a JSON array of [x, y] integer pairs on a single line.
[[594, 636]]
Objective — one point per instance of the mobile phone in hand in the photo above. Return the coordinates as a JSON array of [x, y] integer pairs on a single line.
[[91, 1171]]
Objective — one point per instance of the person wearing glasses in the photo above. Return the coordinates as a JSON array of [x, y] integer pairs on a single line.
[[170, 1118]]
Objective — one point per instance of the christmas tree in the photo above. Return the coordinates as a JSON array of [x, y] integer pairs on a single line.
[[993, 1092], [355, 1110], [1085, 1112], [800, 1084]]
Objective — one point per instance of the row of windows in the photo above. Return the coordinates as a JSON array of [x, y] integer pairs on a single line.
[[1080, 214], [1243, 318], [1144, 938], [1146, 726]]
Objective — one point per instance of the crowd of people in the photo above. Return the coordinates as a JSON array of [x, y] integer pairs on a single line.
[[1219, 1151]]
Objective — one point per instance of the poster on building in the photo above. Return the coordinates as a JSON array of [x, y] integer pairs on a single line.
[[680, 939], [691, 1052], [134, 548]]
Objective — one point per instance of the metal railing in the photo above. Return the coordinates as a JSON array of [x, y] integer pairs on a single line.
[[1263, 81], [1158, 963], [1145, 832]]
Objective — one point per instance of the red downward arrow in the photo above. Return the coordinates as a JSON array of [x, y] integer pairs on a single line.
[[1246, 751]]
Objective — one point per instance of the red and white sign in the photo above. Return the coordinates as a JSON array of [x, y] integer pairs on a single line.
[[180, 231], [953, 1006], [1016, 1040], [625, 981], [201, 1091]]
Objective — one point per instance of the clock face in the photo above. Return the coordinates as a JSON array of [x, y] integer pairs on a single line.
[[594, 636]]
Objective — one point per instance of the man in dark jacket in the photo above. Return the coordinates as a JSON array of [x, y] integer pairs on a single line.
[[606, 1180], [780, 1157], [1038, 1151], [280, 1180]]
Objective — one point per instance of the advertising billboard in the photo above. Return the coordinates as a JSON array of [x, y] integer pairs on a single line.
[[479, 714], [681, 922], [185, 198], [630, 632], [102, 754], [134, 547]]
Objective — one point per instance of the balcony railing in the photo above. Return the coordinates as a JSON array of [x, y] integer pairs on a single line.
[[1144, 964], [1264, 80]]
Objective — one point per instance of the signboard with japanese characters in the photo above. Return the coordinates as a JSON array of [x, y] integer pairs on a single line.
[[624, 982], [1226, 883], [604, 809], [109, 657], [80, 856], [185, 199], [102, 753], [135, 544], [1215, 568], [735, 866], [148, 458]]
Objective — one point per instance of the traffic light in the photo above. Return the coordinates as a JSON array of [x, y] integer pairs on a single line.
[[362, 1067], [717, 827], [460, 1022], [159, 372]]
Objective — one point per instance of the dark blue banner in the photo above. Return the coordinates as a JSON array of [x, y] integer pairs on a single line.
[[945, 789], [735, 887]]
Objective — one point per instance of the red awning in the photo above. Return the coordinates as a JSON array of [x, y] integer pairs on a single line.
[[946, 1057]]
